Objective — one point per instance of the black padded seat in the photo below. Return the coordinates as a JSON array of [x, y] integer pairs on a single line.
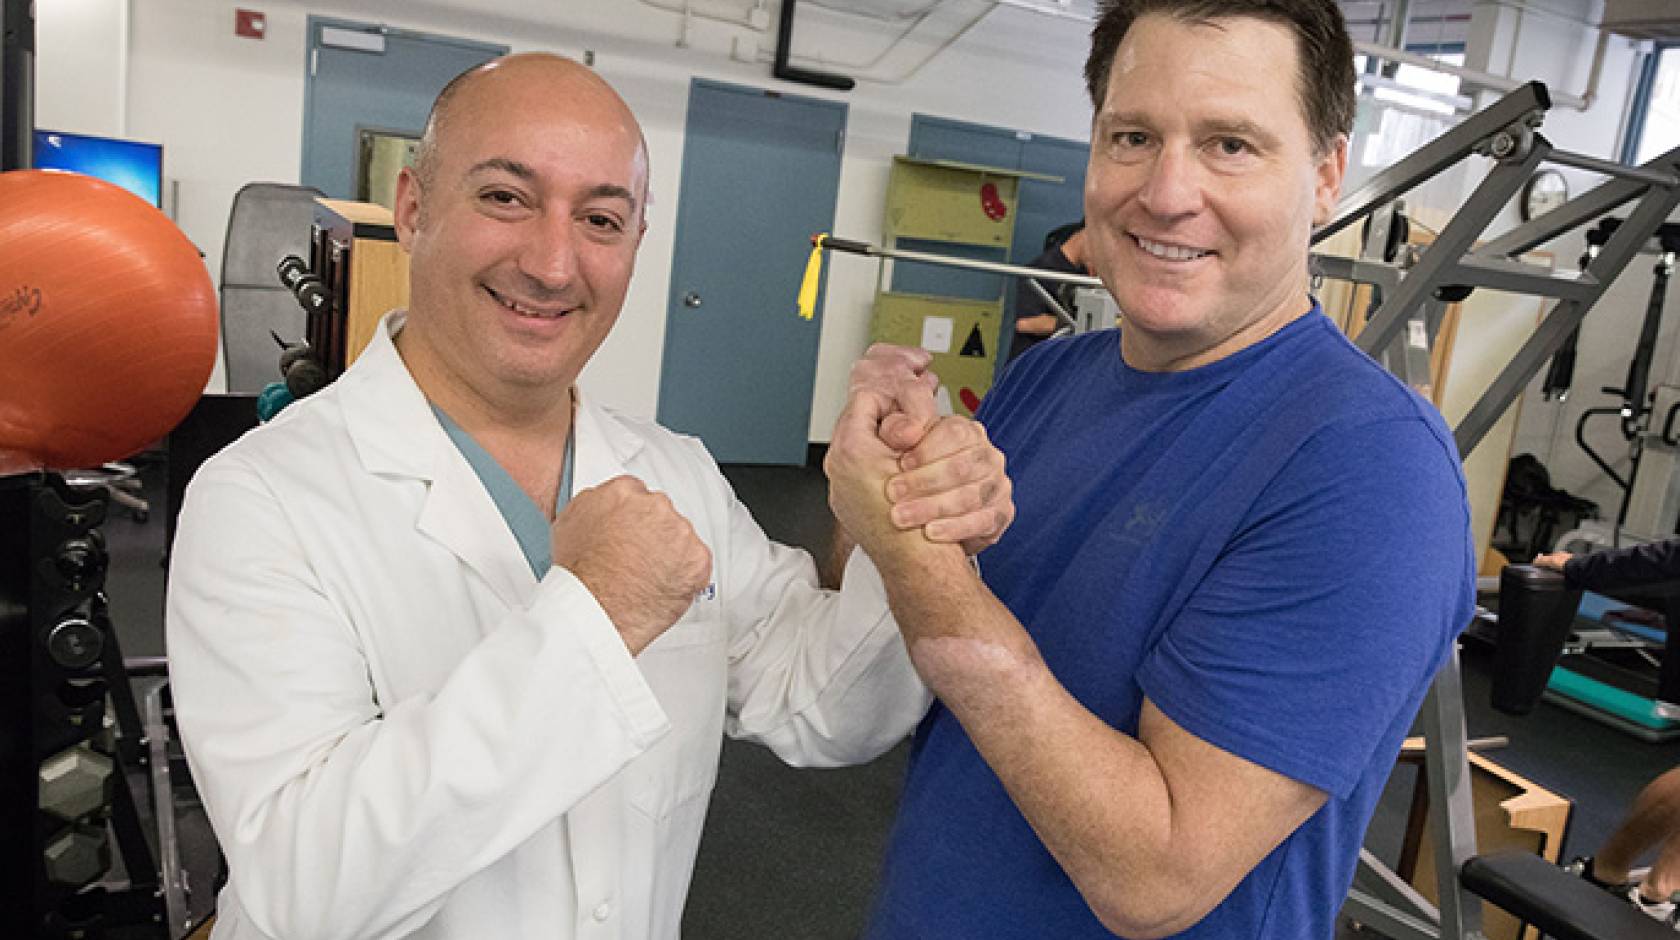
[[1560, 904]]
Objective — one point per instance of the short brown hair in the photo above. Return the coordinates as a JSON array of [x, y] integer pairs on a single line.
[[1324, 50]]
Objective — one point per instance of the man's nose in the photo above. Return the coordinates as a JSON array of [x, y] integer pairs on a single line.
[[550, 256], [1173, 187]]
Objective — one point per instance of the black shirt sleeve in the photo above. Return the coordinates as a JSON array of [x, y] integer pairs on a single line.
[[1638, 564]]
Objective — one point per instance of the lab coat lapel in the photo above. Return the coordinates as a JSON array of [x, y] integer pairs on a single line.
[[396, 434], [460, 515], [604, 447]]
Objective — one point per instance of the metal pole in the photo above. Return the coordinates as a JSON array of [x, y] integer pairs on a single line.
[[993, 267], [18, 800], [1581, 161], [1437, 267], [1525, 105], [17, 84], [1055, 305], [1563, 319], [1452, 816], [1607, 197]]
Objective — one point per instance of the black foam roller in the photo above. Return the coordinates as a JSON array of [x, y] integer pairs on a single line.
[[1536, 609]]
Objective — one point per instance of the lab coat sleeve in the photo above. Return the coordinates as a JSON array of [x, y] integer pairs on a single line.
[[820, 677], [343, 819]]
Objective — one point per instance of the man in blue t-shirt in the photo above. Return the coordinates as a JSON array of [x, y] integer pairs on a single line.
[[1169, 702]]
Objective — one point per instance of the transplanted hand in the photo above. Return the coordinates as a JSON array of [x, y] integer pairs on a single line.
[[894, 465], [953, 486]]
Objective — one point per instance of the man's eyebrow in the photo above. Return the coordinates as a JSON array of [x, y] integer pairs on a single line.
[[512, 167], [529, 175], [1120, 117], [1233, 126], [1238, 127], [611, 191]]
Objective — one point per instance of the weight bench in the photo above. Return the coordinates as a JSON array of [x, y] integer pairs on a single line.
[[1562, 905]]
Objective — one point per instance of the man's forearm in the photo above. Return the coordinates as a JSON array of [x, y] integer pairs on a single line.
[[831, 572], [1096, 797]]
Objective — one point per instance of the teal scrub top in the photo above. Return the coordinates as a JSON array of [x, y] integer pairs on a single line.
[[529, 524]]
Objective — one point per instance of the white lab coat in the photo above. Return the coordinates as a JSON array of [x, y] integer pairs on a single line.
[[399, 731]]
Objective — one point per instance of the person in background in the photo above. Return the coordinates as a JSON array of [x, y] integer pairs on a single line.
[[1636, 564], [1654, 819], [1035, 322]]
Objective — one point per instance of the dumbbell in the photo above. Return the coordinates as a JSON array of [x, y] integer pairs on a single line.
[[77, 855], [76, 782]]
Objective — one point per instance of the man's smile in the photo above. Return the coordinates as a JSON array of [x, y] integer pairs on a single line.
[[528, 309]]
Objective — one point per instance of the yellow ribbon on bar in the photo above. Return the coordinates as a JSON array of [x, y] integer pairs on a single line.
[[813, 277]]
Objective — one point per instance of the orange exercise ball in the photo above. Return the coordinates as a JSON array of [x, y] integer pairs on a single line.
[[107, 322]]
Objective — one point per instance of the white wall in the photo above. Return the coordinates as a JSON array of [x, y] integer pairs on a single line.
[[80, 45], [229, 110]]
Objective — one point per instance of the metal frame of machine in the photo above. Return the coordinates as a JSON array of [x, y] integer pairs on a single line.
[[1507, 132]]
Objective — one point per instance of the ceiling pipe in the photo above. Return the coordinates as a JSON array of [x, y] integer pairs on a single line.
[[1479, 78], [1044, 10], [1475, 77], [1399, 23], [792, 73]]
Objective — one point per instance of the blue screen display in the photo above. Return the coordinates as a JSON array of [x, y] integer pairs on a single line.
[[135, 166]]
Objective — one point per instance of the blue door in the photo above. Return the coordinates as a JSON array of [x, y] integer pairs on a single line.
[[368, 77], [760, 174]]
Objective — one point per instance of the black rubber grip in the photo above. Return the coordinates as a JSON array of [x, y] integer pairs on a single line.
[[847, 245]]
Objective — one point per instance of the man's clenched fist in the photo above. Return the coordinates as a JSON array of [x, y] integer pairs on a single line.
[[635, 553]]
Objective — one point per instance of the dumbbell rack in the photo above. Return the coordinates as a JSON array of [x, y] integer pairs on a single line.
[[69, 730]]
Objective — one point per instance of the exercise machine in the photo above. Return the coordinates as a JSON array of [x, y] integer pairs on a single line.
[[1634, 412], [1414, 293]]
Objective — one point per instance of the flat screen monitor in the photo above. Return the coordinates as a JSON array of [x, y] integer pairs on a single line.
[[135, 166]]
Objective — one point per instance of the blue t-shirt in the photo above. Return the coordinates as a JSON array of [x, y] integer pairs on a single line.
[[1274, 548]]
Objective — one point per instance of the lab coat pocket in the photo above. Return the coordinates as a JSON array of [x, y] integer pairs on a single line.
[[687, 668]]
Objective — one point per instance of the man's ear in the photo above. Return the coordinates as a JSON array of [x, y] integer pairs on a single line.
[[1331, 168], [406, 213]]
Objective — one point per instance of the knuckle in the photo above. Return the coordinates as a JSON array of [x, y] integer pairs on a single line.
[[967, 464]]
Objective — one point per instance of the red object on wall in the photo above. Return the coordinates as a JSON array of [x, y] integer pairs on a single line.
[[250, 23], [994, 207]]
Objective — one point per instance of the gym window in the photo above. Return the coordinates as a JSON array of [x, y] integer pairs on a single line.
[[1405, 107], [1654, 124]]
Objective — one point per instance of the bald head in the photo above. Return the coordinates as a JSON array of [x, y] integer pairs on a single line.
[[503, 81]]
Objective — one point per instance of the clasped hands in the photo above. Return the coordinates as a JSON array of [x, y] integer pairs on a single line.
[[906, 483]]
